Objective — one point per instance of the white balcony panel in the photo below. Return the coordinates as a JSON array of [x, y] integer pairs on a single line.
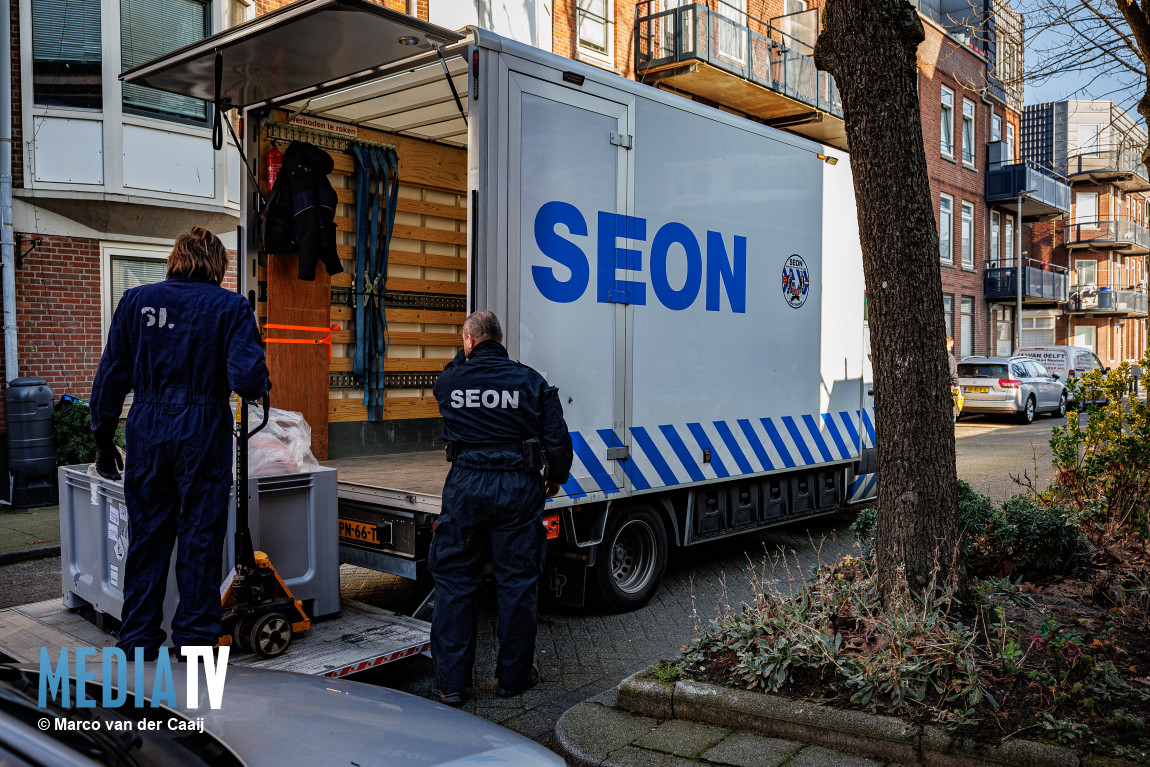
[[164, 161], [234, 171], [68, 151]]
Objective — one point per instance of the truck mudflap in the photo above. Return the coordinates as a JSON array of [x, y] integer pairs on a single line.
[[564, 580]]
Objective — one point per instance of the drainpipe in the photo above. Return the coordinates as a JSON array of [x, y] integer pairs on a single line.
[[7, 240], [412, 8]]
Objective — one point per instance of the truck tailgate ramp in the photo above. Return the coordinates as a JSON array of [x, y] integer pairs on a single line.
[[362, 637], [299, 48]]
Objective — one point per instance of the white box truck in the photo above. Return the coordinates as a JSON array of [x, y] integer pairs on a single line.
[[690, 280]]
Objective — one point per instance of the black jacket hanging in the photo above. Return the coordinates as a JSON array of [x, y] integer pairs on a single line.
[[300, 214]]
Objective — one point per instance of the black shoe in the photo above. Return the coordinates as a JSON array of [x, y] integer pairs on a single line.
[[532, 680], [453, 698]]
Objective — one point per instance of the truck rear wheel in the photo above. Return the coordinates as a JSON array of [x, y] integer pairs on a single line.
[[631, 558]]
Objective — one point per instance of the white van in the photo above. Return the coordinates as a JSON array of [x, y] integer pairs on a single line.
[[1066, 362]]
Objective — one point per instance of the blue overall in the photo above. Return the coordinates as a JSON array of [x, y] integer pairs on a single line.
[[181, 346], [492, 508]]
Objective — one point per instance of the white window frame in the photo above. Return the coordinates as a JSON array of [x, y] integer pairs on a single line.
[[1009, 143], [1008, 238], [969, 113], [948, 312], [1092, 333], [995, 127], [1034, 323], [946, 123], [995, 240], [1085, 271], [966, 234], [966, 326], [1079, 197], [586, 53], [1088, 145], [110, 250], [946, 229]]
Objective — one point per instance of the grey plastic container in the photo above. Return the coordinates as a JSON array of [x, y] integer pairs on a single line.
[[31, 451], [293, 518]]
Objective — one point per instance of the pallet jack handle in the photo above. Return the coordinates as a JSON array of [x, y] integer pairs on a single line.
[[245, 553]]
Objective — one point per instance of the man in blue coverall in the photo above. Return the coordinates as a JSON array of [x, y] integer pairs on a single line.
[[509, 447], [181, 345]]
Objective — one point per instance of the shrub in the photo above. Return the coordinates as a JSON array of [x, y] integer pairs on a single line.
[[72, 432]]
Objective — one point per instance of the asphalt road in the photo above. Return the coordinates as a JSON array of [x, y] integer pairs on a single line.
[[584, 653]]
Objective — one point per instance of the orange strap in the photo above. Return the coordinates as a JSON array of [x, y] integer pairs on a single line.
[[326, 339]]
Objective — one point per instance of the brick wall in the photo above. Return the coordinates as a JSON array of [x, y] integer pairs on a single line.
[[58, 313]]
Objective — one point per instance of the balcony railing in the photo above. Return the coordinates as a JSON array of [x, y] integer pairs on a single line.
[[1121, 165], [777, 55], [1042, 283], [1124, 235], [1104, 299], [1051, 198]]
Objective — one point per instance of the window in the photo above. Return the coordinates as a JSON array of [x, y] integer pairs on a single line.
[[968, 132], [594, 24], [947, 126], [66, 51], [126, 267], [948, 312], [1086, 206], [151, 28], [967, 328], [995, 128], [1087, 139], [995, 225], [1009, 142], [1086, 336], [1038, 331], [239, 11], [1004, 330], [1086, 272], [1008, 253], [967, 235], [732, 29], [945, 228]]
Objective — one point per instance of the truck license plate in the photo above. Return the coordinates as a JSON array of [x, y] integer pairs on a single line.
[[977, 390], [359, 532]]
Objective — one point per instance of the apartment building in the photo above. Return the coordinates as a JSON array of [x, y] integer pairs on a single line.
[[1103, 246]]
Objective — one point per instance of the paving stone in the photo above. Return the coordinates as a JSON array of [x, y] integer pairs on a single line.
[[597, 730], [682, 738], [816, 756], [744, 750], [641, 757]]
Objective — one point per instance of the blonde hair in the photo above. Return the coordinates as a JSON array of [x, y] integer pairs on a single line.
[[198, 255]]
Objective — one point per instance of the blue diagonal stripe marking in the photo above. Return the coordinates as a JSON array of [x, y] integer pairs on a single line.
[[756, 444], [733, 445], [629, 468], [572, 489], [587, 456], [682, 452], [647, 445], [849, 424], [829, 420], [869, 426], [870, 486], [855, 486], [705, 443], [797, 436], [813, 428], [777, 441]]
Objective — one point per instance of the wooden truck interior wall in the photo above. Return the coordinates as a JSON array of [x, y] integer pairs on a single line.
[[425, 292]]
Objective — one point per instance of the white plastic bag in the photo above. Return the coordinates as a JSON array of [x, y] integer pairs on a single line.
[[281, 447]]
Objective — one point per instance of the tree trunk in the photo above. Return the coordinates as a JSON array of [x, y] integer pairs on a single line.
[[1138, 17], [869, 46]]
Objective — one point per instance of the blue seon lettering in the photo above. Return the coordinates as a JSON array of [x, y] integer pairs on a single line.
[[670, 234], [733, 275], [561, 250], [613, 227]]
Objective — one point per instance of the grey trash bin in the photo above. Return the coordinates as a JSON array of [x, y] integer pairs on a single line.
[[28, 408]]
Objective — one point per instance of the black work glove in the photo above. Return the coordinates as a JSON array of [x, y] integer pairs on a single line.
[[109, 464]]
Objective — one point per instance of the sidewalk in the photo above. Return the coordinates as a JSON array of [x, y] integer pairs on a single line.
[[597, 734], [29, 533]]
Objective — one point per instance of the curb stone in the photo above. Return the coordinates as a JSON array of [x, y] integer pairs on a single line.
[[874, 735], [27, 555]]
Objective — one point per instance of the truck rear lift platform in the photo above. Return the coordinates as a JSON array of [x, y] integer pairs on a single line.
[[360, 638]]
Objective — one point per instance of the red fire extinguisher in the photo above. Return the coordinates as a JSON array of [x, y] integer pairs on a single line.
[[272, 164]]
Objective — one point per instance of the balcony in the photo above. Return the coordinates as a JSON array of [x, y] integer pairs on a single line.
[[1128, 301], [1122, 235], [1121, 166], [1051, 199], [764, 69], [1043, 284]]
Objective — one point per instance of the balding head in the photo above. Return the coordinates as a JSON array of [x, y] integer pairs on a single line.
[[480, 327]]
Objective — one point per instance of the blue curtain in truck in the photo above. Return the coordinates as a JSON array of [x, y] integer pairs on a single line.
[[376, 191]]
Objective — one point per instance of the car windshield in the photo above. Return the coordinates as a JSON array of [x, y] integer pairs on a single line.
[[981, 370]]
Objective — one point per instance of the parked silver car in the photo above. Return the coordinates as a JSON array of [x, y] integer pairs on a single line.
[[267, 718], [1018, 385]]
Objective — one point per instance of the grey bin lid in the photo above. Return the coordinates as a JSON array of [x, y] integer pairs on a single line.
[[298, 48], [30, 381]]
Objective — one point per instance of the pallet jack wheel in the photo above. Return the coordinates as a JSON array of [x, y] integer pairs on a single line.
[[269, 635], [240, 635]]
